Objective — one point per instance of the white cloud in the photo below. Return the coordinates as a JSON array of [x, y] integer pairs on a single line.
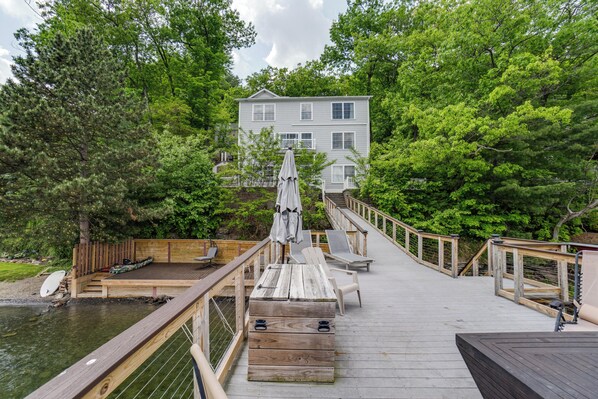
[[5, 63], [290, 32], [22, 10]]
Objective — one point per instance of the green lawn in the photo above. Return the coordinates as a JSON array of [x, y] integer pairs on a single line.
[[19, 271]]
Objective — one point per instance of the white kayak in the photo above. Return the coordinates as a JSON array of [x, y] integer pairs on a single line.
[[52, 283]]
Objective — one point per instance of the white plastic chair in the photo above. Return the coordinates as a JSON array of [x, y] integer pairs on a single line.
[[316, 256]]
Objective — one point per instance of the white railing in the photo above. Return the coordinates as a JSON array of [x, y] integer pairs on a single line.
[[309, 144], [349, 183]]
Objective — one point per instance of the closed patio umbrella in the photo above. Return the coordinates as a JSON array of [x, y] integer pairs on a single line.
[[287, 226]]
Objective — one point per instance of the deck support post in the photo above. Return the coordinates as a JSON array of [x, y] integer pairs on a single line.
[[440, 254], [476, 267], [204, 328], [563, 278], [420, 245], [240, 301], [518, 275], [407, 244], [257, 269], [454, 255], [497, 255], [490, 254], [384, 225]]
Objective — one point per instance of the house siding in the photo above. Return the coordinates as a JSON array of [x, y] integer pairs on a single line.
[[288, 120]]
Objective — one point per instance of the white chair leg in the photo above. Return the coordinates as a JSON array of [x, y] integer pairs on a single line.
[[341, 303], [359, 296]]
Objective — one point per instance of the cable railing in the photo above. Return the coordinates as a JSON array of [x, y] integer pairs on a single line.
[[151, 359], [437, 251]]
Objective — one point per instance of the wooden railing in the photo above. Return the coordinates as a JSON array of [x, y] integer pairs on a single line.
[[341, 220], [93, 257], [89, 258], [528, 272], [211, 313], [439, 252], [481, 261]]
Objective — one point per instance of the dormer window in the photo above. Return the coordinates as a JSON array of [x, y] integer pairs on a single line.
[[306, 111], [343, 110], [264, 112]]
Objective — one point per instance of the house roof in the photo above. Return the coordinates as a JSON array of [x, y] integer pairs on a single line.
[[265, 94]]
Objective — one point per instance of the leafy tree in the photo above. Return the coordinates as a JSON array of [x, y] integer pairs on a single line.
[[186, 194], [252, 177], [73, 143], [492, 114], [178, 53]]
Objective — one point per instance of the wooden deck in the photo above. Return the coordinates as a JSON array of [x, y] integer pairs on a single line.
[[401, 344], [168, 271]]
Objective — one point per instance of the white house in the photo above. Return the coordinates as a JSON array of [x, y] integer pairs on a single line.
[[325, 124]]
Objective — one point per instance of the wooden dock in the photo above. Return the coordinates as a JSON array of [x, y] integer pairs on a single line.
[[401, 344]]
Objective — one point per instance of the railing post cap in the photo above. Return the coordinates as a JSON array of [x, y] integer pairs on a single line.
[[454, 235], [495, 235], [497, 241], [419, 231]]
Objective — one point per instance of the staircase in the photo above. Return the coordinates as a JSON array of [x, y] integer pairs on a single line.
[[338, 199], [93, 289]]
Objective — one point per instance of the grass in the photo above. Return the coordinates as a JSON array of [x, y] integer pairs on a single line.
[[17, 271]]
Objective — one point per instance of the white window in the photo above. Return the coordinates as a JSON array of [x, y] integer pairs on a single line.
[[343, 110], [343, 140], [304, 139], [264, 112], [341, 172], [306, 111]]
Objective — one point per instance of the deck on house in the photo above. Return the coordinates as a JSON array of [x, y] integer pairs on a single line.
[[401, 343]]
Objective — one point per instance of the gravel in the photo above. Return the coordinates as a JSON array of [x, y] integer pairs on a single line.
[[23, 291]]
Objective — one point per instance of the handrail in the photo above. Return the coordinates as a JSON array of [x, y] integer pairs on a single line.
[[100, 372], [527, 258], [429, 249], [549, 246], [353, 221]]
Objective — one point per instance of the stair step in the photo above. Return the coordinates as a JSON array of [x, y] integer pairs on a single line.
[[89, 295]]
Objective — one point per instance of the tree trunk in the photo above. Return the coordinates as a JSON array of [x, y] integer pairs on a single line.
[[83, 228], [572, 215]]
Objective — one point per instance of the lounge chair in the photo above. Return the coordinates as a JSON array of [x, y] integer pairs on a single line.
[[212, 252], [207, 383], [296, 255], [585, 302], [340, 250], [316, 256]]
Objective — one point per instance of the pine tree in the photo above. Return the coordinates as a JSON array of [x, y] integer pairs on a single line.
[[73, 144]]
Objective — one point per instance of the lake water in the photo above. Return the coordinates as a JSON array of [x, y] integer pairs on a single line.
[[37, 344]]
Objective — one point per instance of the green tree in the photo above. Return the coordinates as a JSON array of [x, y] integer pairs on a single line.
[[178, 53], [492, 115], [73, 144], [252, 179], [186, 195]]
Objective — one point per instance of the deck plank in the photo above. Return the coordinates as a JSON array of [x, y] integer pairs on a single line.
[[401, 343]]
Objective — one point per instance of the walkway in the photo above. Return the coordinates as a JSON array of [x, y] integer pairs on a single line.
[[401, 344]]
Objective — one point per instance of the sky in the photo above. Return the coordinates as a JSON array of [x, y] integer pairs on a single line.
[[288, 31]]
